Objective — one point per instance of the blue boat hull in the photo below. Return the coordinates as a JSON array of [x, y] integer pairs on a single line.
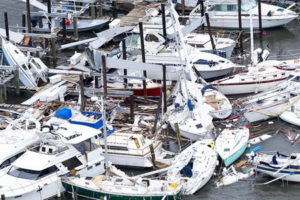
[[235, 156]]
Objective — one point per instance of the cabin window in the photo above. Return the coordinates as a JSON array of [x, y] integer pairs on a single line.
[[151, 38], [220, 7], [254, 79], [31, 174], [36, 64], [275, 75], [98, 163], [90, 167], [16, 52], [117, 148], [72, 163], [199, 126], [242, 79], [264, 77], [232, 7], [283, 74], [43, 149], [9, 161]]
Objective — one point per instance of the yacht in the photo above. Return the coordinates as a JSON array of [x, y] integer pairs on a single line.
[[224, 14], [67, 150], [31, 69]]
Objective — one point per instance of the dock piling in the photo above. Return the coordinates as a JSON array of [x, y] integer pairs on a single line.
[[163, 14], [6, 25], [209, 32], [24, 22], [64, 28], [82, 103], [143, 58], [16, 80], [165, 88], [53, 51], [75, 26], [178, 136], [124, 57], [202, 12], [152, 155], [131, 102], [49, 11], [104, 78], [93, 10], [29, 30]]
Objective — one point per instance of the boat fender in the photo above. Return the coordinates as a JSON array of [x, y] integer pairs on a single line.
[[73, 172], [137, 144], [211, 144], [68, 21], [173, 185], [255, 149]]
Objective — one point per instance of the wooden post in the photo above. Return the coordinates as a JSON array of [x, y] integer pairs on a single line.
[[202, 12], [143, 58], [104, 76], [17, 81], [114, 5], [93, 11], [49, 11], [165, 88], [163, 14], [4, 91], [1, 93], [124, 57], [100, 9], [157, 113], [40, 22], [23, 22], [6, 25], [75, 20], [260, 24], [64, 28], [209, 32], [28, 16], [152, 155], [182, 7], [178, 136], [2, 197], [240, 26], [82, 105], [53, 51], [131, 102]]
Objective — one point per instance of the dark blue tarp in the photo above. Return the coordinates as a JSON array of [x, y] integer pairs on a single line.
[[64, 113], [206, 87]]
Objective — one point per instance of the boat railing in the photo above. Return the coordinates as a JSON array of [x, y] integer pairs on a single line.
[[30, 186]]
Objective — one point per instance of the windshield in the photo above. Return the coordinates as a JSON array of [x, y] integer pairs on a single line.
[[248, 4], [31, 174]]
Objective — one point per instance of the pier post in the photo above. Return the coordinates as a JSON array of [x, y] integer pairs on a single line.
[[178, 136], [163, 14], [16, 80], [165, 88], [82, 103], [23, 22], [104, 78], [209, 32], [152, 155], [53, 51], [100, 9], [6, 25], [182, 7], [143, 58], [40, 22], [260, 24], [93, 10], [131, 102], [49, 11], [240, 26], [64, 28], [2, 197], [114, 6], [202, 12], [75, 25], [1, 92], [124, 57], [28, 16]]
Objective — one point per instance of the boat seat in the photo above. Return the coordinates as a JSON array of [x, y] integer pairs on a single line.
[[97, 180]]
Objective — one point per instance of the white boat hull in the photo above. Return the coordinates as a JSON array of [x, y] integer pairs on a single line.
[[246, 88], [130, 161], [287, 175], [290, 117], [232, 22]]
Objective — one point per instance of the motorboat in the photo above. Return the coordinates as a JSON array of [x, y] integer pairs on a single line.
[[31, 69], [224, 14], [66, 150], [231, 143], [130, 149], [292, 113], [194, 167], [278, 165]]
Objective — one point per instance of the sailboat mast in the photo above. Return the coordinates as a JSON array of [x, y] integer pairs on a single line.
[[251, 37]]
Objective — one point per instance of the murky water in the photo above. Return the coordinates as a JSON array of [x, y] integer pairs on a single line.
[[281, 41]]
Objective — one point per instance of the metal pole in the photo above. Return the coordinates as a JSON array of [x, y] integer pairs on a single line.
[[28, 16], [143, 57], [124, 57], [164, 20], [6, 25], [209, 31], [240, 25], [260, 24]]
